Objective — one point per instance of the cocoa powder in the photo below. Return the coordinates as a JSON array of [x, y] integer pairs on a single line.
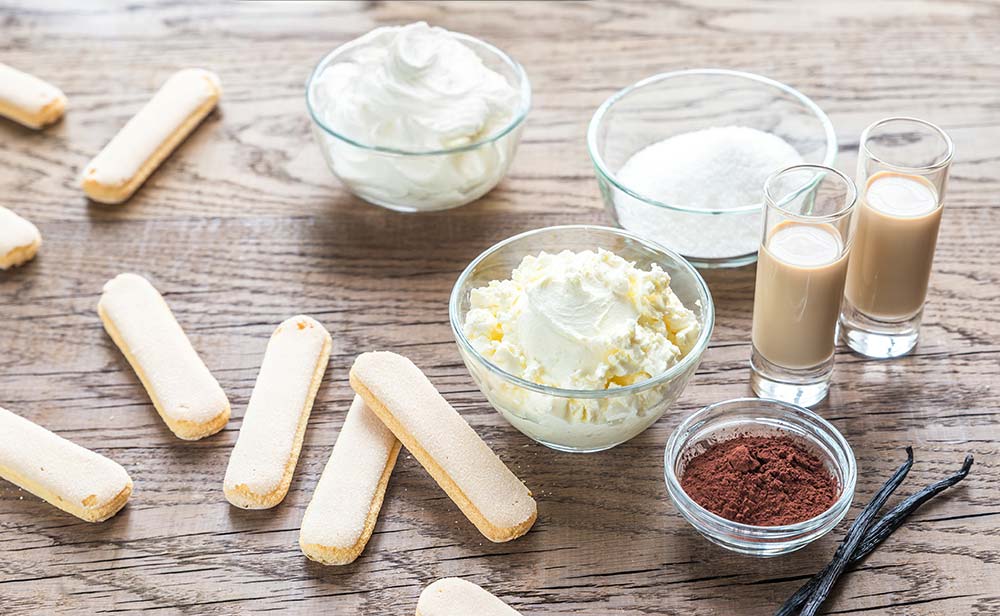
[[760, 480]]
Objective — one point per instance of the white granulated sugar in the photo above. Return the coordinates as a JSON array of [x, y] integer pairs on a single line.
[[715, 168]]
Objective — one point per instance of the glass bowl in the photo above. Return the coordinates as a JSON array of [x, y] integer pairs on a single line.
[[759, 417], [668, 104], [422, 180], [613, 415]]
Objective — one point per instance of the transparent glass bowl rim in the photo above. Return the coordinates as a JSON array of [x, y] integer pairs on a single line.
[[849, 203], [771, 532], [943, 162], [523, 85], [596, 120], [708, 318]]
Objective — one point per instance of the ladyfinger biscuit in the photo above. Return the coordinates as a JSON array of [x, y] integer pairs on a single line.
[[19, 239], [73, 478], [482, 486], [151, 135], [184, 392], [28, 100], [267, 449], [457, 597], [341, 516]]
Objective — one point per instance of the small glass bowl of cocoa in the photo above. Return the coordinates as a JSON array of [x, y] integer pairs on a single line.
[[760, 477]]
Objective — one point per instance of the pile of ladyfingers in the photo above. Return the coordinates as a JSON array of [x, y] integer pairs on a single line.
[[114, 175], [395, 404]]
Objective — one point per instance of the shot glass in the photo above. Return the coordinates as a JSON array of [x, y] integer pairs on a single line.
[[801, 269], [903, 168]]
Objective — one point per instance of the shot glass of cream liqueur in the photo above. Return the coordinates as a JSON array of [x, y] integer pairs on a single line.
[[801, 269], [903, 169]]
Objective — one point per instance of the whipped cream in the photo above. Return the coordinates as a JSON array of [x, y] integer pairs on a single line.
[[580, 320], [416, 88]]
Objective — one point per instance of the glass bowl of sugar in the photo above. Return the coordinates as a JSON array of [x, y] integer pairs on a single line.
[[681, 157]]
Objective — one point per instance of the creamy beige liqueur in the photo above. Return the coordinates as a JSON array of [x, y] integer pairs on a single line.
[[894, 245], [800, 284]]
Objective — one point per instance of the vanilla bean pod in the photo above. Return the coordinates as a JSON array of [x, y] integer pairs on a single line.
[[879, 532], [855, 535]]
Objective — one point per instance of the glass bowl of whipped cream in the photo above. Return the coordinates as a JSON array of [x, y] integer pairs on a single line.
[[417, 118], [681, 157], [581, 336]]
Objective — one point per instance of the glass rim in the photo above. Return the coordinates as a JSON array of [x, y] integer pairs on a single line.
[[843, 500], [707, 324], [523, 86], [830, 150], [939, 164], [849, 203]]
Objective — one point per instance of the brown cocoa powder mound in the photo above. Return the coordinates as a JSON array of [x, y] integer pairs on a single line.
[[760, 480]]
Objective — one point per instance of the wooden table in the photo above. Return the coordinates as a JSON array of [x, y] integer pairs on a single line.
[[244, 226]]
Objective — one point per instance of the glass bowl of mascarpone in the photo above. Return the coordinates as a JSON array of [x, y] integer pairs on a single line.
[[681, 157], [581, 336], [418, 118]]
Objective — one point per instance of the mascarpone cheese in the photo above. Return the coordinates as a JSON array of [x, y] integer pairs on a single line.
[[417, 89], [580, 320]]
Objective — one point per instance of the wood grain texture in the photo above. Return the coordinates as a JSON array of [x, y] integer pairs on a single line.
[[244, 226]]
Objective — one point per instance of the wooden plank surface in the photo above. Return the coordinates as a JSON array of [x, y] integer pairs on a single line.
[[244, 226]]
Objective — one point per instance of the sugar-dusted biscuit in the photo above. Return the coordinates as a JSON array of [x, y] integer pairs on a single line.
[[184, 392], [28, 100], [458, 597], [341, 516], [267, 449], [482, 486], [151, 135], [73, 478], [19, 239]]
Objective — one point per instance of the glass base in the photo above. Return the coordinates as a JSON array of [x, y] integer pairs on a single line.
[[722, 262], [805, 387], [409, 209], [569, 449], [876, 338]]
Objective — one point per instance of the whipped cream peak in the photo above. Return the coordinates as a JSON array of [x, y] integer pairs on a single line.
[[587, 320], [414, 88], [450, 122]]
